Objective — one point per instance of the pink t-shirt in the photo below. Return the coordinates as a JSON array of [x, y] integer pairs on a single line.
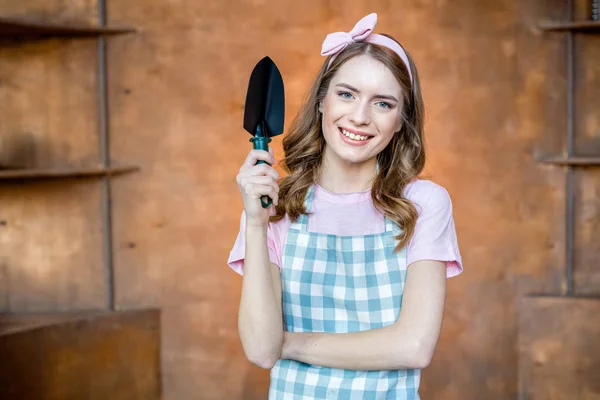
[[352, 214]]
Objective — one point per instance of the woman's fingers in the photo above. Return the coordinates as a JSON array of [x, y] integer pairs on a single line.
[[256, 191], [258, 180], [258, 170], [256, 155]]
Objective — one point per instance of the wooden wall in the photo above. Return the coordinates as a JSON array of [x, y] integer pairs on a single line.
[[494, 87], [51, 239]]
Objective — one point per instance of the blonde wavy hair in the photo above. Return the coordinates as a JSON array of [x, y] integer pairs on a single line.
[[399, 163]]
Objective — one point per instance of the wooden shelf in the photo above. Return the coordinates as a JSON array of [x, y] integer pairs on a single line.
[[562, 296], [57, 173], [14, 28], [577, 161], [582, 26]]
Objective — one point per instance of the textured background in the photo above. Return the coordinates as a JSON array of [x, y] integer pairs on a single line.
[[494, 89]]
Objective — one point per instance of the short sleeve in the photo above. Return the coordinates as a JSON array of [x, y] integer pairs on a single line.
[[238, 252], [434, 237]]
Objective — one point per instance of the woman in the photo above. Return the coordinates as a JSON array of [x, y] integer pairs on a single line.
[[356, 253]]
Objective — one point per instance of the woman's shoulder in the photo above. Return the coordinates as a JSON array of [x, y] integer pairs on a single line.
[[423, 192]]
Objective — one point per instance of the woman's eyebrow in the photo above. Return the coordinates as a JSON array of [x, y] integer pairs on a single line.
[[378, 96]]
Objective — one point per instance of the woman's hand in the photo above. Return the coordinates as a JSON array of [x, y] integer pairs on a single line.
[[257, 180]]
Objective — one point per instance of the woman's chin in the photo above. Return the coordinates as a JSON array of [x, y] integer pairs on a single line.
[[350, 155], [354, 159]]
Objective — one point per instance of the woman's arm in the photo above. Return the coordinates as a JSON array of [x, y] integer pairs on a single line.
[[260, 321], [408, 343]]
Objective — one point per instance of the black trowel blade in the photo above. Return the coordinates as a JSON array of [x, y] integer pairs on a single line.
[[265, 100]]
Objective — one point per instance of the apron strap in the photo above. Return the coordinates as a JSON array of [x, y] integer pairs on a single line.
[[390, 226], [302, 223]]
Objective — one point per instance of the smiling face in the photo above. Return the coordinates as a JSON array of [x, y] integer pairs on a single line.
[[361, 111]]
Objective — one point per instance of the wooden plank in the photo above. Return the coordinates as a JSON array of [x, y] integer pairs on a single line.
[[4, 282], [580, 26], [51, 245], [587, 113], [58, 127], [73, 11], [11, 323], [586, 270], [578, 161], [54, 173], [91, 356], [15, 28], [559, 348], [51, 239]]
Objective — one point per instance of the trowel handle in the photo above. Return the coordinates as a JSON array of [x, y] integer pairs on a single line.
[[262, 143]]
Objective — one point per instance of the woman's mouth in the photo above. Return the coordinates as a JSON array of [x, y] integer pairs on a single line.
[[354, 138]]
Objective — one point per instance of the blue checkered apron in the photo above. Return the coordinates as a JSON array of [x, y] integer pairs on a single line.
[[340, 284]]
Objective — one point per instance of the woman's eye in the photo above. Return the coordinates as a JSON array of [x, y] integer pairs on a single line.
[[345, 95], [383, 104]]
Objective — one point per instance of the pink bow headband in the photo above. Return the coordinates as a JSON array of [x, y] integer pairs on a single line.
[[335, 42]]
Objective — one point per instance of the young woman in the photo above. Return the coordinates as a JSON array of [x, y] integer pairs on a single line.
[[344, 279]]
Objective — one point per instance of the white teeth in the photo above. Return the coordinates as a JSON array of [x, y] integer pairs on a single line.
[[353, 136]]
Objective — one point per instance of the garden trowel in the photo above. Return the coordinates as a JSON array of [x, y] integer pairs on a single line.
[[265, 108]]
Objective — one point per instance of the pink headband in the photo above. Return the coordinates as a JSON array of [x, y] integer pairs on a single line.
[[335, 42]]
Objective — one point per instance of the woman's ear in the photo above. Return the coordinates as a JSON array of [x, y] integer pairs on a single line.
[[320, 107]]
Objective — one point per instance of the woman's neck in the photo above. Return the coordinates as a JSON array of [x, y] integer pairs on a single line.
[[340, 177]]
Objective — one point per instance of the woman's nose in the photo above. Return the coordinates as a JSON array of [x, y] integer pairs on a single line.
[[360, 114]]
